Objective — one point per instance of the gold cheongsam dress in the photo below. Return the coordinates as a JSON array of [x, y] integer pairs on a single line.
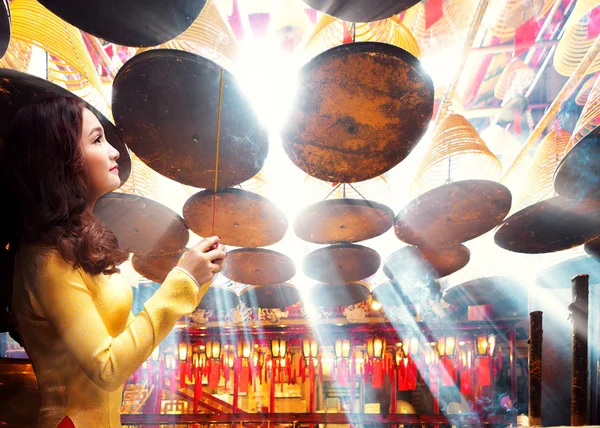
[[80, 334]]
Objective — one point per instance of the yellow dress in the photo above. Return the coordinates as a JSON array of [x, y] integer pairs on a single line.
[[80, 334]]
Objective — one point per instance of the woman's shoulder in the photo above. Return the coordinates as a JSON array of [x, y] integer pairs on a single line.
[[43, 259]]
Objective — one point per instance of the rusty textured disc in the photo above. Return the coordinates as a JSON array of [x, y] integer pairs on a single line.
[[129, 22], [453, 213], [4, 27], [592, 247], [142, 225], [165, 103], [338, 294], [219, 300], [242, 219], [361, 10], [278, 296], [359, 111], [341, 263], [411, 264], [343, 220], [156, 267], [485, 291], [258, 266], [19, 89], [552, 225], [560, 275], [578, 174]]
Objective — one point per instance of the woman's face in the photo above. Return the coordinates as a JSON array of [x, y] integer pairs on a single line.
[[101, 157]]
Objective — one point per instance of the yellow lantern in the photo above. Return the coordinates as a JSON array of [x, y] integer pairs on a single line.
[[183, 351], [213, 349], [278, 348], [310, 348], [243, 349], [481, 345]]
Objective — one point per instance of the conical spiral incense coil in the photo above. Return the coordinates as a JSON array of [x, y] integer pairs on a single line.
[[447, 31], [456, 153], [590, 116], [584, 92], [330, 32], [539, 179], [209, 36], [143, 181], [69, 63], [377, 189], [502, 17], [515, 78], [575, 42]]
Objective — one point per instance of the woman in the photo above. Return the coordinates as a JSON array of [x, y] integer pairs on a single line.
[[69, 306]]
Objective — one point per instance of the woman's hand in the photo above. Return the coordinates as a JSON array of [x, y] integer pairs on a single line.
[[204, 259]]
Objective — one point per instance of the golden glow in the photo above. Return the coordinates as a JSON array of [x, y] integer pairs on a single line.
[[375, 305], [278, 348], [243, 349], [482, 345], [183, 352], [213, 349], [342, 348], [492, 344], [450, 346]]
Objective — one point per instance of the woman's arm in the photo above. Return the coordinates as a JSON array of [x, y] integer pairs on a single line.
[[68, 306]]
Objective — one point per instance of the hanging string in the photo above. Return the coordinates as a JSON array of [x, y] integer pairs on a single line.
[[449, 111], [214, 204]]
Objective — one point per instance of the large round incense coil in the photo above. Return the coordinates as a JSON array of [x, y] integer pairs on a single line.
[[539, 178], [258, 266], [453, 213], [359, 111], [278, 296], [575, 43], [578, 174], [410, 264], [457, 152], [129, 22], [343, 220], [156, 267], [552, 225], [330, 32], [584, 92], [485, 291], [502, 17], [219, 299], [337, 294], [19, 393], [4, 26], [241, 218], [141, 225], [18, 89], [515, 78], [589, 120], [561, 274], [166, 103], [361, 10], [68, 60], [341, 263]]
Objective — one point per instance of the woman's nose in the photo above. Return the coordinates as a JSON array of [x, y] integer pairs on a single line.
[[113, 153]]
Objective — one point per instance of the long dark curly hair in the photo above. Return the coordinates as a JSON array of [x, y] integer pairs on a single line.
[[43, 186]]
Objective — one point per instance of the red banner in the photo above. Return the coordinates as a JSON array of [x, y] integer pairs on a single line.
[[434, 10]]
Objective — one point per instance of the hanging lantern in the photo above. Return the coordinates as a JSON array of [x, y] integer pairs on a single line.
[[492, 343], [405, 346], [398, 356], [342, 348], [481, 345], [278, 348], [258, 358], [183, 351], [414, 346], [310, 349], [446, 346], [376, 347], [213, 349], [243, 349], [230, 359]]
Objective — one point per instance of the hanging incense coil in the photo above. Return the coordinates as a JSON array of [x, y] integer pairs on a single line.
[[539, 178], [503, 17], [497, 290], [552, 225], [129, 22], [447, 31], [242, 219], [258, 266], [341, 263], [69, 63], [278, 296], [337, 294], [166, 104], [515, 78], [575, 42], [4, 27], [343, 220], [330, 32], [584, 92], [589, 118], [410, 265], [456, 153], [361, 10], [210, 36], [348, 122], [141, 225]]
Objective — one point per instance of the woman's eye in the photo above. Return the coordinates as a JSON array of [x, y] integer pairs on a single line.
[[98, 139]]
